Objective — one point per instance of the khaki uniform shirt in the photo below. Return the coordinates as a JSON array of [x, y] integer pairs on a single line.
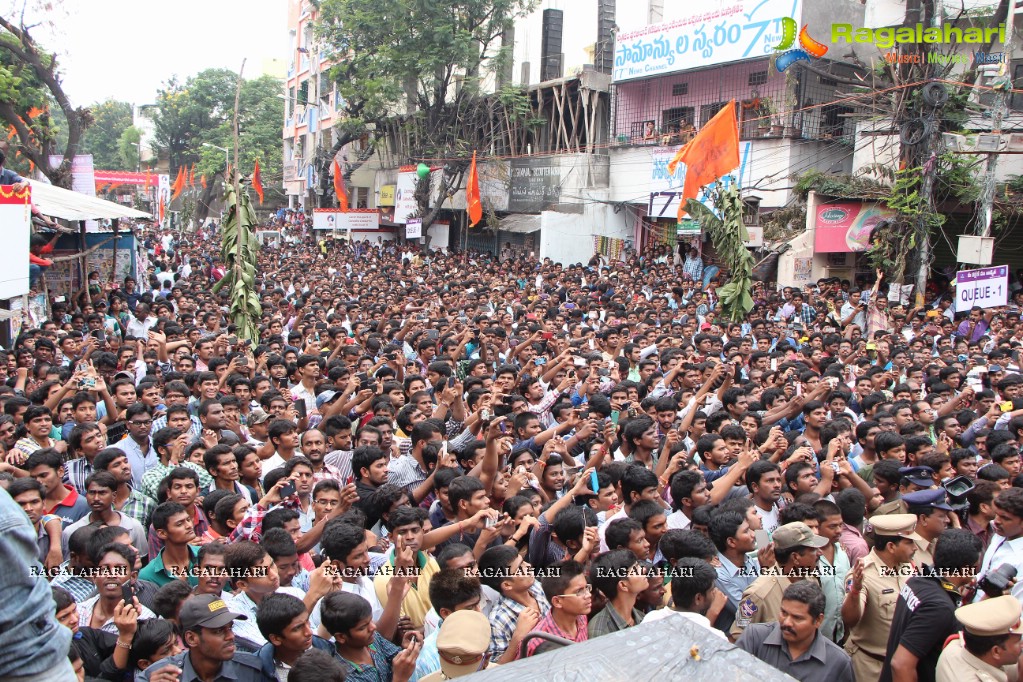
[[924, 550], [959, 665], [868, 639], [893, 507], [760, 603]]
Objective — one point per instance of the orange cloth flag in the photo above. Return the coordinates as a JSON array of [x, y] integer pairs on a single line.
[[257, 181], [191, 176], [202, 180], [712, 153], [472, 195], [179, 184], [339, 187], [146, 186]]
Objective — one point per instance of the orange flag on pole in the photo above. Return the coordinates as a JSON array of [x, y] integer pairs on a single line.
[[257, 181], [472, 195], [179, 184], [191, 176], [712, 153], [202, 180], [339, 187]]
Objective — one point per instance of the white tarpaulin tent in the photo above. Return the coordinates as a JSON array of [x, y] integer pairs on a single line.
[[57, 202]]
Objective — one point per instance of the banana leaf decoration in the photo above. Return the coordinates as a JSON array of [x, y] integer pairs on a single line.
[[239, 249], [728, 234]]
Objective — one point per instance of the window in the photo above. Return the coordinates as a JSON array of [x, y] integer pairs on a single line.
[[758, 78], [707, 111], [672, 117], [303, 93], [324, 90], [1016, 99], [680, 89]]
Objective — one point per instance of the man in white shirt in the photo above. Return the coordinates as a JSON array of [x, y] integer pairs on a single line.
[[693, 595], [1006, 547]]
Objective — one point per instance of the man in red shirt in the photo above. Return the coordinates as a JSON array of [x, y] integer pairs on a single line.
[[570, 596]]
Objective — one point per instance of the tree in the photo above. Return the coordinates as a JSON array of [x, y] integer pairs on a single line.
[[188, 113], [199, 111], [432, 56], [128, 150], [29, 88], [110, 119]]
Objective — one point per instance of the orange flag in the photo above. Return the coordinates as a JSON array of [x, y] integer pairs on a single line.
[[191, 176], [712, 153], [146, 186], [472, 195], [339, 187], [202, 180], [257, 182], [179, 184]]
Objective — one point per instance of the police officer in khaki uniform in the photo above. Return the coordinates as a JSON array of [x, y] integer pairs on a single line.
[[989, 641], [462, 644], [872, 591], [797, 549], [931, 510], [913, 479]]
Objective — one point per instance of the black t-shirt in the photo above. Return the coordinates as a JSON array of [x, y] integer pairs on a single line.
[[924, 618]]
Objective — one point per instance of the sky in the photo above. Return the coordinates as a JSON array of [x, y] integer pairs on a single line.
[[126, 49]]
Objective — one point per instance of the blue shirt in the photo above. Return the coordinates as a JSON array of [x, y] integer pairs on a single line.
[[27, 622], [382, 652]]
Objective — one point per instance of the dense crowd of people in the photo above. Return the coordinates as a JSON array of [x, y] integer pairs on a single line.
[[432, 463]]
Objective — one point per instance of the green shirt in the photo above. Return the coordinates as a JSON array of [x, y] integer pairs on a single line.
[[156, 572]]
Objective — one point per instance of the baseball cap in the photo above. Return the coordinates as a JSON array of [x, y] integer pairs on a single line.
[[796, 534], [257, 416], [462, 641], [207, 611], [326, 397], [921, 476]]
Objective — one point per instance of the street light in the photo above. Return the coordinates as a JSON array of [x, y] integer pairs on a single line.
[[227, 153]]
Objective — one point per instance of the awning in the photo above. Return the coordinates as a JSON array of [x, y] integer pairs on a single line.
[[57, 202], [522, 223]]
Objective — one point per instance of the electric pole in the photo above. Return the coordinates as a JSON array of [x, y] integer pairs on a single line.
[[1002, 84]]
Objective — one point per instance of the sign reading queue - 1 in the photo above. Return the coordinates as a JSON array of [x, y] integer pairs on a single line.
[[984, 288]]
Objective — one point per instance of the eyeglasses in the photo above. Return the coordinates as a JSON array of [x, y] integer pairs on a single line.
[[581, 592], [147, 422]]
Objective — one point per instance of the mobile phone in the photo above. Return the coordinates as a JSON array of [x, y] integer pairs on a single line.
[[300, 408], [763, 538], [594, 484], [546, 336], [1006, 406], [540, 360], [287, 490], [350, 480], [489, 522], [451, 382], [232, 340], [615, 415], [127, 594], [99, 335]]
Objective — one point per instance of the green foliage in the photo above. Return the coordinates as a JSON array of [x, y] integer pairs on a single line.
[[729, 234], [201, 110], [839, 185], [423, 57], [238, 230], [103, 139], [893, 242], [127, 147]]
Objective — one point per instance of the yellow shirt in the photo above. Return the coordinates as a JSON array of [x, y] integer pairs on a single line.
[[417, 601]]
